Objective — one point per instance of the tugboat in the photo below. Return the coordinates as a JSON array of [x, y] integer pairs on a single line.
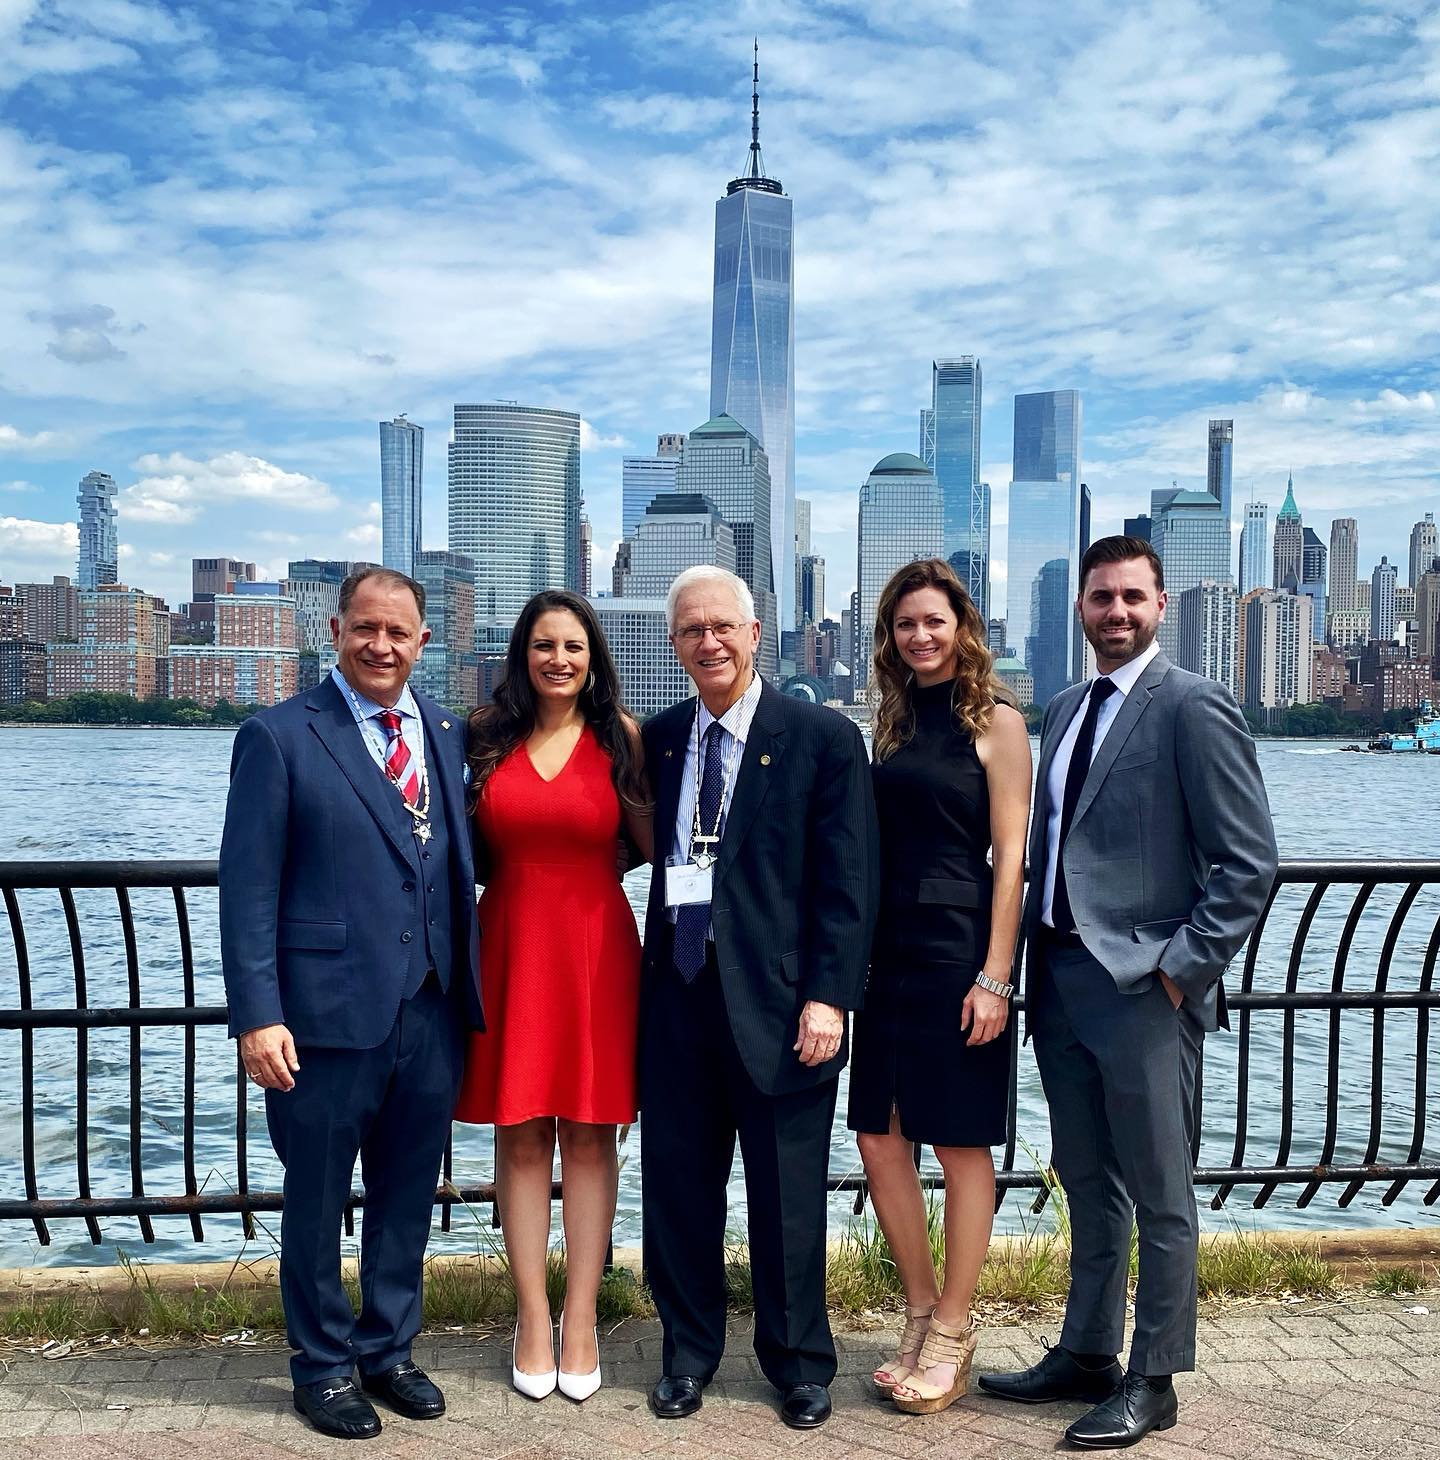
[[1424, 739]]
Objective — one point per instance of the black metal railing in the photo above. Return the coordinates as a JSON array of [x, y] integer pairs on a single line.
[[1334, 990]]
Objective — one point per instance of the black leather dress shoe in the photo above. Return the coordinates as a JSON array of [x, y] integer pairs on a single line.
[[676, 1395], [805, 1406], [1058, 1376], [1130, 1413], [338, 1409], [407, 1389]]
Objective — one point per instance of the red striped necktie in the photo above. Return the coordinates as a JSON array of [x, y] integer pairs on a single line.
[[398, 759]]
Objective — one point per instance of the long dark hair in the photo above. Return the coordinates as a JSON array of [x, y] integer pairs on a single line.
[[496, 729], [976, 690]]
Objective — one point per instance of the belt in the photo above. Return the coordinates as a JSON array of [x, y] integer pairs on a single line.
[[1054, 938]]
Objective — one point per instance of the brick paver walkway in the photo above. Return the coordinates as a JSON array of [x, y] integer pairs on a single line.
[[1352, 1378]]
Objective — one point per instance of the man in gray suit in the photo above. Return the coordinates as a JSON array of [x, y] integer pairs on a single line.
[[1151, 854]]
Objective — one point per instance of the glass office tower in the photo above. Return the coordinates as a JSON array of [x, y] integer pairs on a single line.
[[99, 535], [1192, 537], [752, 341], [1218, 463], [1044, 553], [901, 519], [402, 462], [514, 507], [950, 446], [724, 463], [643, 478], [1255, 548]]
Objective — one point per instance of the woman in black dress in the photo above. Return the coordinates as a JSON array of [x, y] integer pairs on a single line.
[[951, 772]]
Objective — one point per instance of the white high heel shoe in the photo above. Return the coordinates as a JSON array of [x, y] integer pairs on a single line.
[[579, 1387], [532, 1386]]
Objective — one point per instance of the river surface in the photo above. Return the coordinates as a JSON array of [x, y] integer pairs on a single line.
[[123, 794]]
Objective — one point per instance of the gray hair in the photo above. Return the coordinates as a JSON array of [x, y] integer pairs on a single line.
[[708, 573]]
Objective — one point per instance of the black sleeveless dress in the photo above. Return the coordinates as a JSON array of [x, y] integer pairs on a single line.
[[934, 931]]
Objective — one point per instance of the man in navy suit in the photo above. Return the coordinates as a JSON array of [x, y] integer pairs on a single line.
[[349, 944]]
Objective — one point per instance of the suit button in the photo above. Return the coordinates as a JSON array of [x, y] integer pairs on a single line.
[[404, 937], [429, 889], [409, 887]]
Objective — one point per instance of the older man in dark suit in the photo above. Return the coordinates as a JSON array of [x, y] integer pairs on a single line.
[[1151, 855], [349, 945], [757, 939]]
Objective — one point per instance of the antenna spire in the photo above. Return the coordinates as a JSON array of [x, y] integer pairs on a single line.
[[757, 167]]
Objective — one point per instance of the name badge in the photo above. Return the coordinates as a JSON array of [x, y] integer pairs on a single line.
[[685, 883]]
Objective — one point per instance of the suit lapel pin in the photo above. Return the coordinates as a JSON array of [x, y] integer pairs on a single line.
[[668, 754], [444, 724], [764, 760]]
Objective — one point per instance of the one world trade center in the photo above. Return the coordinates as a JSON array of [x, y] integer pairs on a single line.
[[752, 338]]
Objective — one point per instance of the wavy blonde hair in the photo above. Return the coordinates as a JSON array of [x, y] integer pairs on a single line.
[[976, 690]]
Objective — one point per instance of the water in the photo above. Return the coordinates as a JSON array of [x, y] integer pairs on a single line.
[[118, 794]]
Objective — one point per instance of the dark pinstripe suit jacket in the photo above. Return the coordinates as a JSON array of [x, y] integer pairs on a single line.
[[796, 881]]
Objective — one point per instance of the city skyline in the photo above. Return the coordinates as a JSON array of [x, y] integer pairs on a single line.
[[245, 426]]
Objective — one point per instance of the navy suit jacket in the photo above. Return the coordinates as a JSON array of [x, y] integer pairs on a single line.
[[320, 905]]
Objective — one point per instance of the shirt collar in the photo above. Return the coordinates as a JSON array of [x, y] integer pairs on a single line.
[[737, 718], [367, 709], [1124, 679]]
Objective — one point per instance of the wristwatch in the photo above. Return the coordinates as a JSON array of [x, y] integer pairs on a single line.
[[994, 986]]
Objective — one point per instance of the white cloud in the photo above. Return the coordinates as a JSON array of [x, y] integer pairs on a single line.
[[12, 438], [592, 440], [42, 548], [176, 488]]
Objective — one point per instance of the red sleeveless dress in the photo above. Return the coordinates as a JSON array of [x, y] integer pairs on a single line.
[[559, 949]]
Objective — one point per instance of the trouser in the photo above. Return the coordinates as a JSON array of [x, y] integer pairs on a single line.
[[1119, 1073], [696, 1098], [391, 1107]]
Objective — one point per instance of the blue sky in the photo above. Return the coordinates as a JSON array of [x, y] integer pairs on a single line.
[[238, 233]]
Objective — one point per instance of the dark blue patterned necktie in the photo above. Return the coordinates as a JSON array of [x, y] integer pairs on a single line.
[[692, 919], [1075, 774]]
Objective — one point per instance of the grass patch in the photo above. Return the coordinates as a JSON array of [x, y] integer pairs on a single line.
[[1395, 1281], [1250, 1265]]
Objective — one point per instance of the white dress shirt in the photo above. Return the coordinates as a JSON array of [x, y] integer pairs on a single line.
[[1124, 680], [372, 732], [733, 732]]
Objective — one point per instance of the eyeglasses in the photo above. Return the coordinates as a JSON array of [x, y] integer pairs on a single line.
[[693, 633]]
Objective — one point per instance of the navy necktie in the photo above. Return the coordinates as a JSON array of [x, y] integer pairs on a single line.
[[1100, 691], [692, 919]]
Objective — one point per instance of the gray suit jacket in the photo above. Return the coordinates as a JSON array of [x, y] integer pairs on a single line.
[[1171, 854]]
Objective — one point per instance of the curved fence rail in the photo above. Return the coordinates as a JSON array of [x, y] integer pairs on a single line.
[[1329, 1081]]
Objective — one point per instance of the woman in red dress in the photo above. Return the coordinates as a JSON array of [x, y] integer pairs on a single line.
[[556, 774]]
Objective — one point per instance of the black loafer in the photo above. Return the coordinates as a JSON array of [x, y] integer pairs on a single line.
[[805, 1406], [1130, 1413], [407, 1389], [675, 1396], [1058, 1376], [338, 1409]]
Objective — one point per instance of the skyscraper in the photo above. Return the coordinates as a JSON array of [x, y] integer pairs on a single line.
[[1279, 649], [679, 530], [1313, 558], [643, 478], [1289, 542], [950, 446], [514, 507], [1218, 461], [1207, 613], [1192, 537], [1344, 553], [1424, 548], [1044, 556], [724, 462], [1382, 602], [802, 551], [99, 537], [402, 462], [901, 519], [449, 583], [752, 340], [1254, 548]]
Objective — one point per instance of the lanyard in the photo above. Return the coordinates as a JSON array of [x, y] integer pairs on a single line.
[[705, 857]]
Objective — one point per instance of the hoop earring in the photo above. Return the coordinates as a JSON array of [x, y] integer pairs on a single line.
[[589, 681]]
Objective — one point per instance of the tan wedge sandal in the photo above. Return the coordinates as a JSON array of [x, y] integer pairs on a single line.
[[943, 1345], [912, 1337]]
